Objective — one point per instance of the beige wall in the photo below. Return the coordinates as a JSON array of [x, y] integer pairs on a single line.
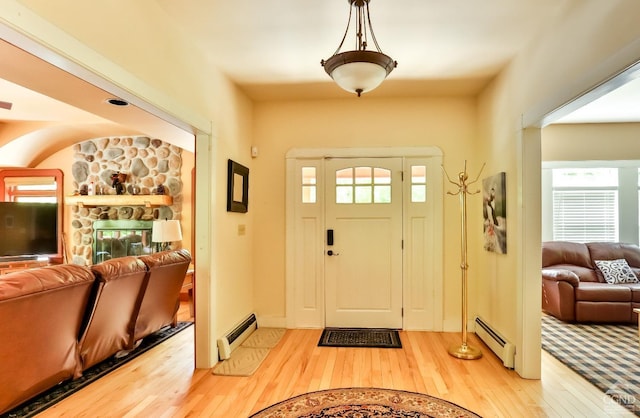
[[566, 60], [584, 142], [447, 123]]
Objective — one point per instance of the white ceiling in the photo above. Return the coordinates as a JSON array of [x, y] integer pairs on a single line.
[[273, 48], [283, 41]]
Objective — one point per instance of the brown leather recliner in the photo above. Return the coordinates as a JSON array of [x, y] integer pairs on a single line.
[[49, 302], [574, 289], [120, 284], [60, 320], [161, 299]]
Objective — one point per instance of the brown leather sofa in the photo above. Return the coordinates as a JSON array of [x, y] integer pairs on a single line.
[[58, 321], [574, 288]]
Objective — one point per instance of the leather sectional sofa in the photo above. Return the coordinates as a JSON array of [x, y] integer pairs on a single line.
[[58, 321], [574, 288]]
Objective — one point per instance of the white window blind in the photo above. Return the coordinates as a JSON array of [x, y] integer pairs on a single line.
[[585, 215]]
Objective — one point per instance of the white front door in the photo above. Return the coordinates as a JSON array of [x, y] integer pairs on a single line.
[[363, 242]]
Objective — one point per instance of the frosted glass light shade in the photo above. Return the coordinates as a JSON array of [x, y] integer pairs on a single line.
[[166, 231], [359, 71], [363, 76]]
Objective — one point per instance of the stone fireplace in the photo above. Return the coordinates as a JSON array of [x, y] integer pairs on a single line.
[[147, 164]]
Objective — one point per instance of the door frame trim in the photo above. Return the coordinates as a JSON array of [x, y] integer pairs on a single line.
[[296, 154], [376, 152]]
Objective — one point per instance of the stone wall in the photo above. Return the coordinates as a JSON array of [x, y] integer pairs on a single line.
[[147, 164]]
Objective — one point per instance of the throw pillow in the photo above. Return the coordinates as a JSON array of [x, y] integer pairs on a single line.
[[616, 271]]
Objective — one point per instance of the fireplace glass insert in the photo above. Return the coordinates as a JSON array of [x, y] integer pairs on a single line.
[[120, 238]]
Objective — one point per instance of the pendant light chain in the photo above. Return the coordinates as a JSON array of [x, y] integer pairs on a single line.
[[361, 30], [373, 35], [346, 32]]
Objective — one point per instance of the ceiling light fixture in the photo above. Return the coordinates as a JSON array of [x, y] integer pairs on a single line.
[[360, 70]]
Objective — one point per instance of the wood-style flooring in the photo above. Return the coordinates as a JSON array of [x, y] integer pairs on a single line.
[[163, 382]]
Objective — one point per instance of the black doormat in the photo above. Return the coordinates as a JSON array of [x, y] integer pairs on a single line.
[[360, 337], [54, 395]]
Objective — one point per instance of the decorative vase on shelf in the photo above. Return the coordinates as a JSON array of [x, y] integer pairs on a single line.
[[135, 189]]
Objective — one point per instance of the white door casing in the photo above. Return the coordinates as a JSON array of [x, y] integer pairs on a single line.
[[422, 230]]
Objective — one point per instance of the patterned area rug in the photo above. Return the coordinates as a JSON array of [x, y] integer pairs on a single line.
[[360, 337], [606, 355], [54, 395], [363, 403]]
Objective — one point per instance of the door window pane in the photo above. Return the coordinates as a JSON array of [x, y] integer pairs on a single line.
[[344, 176], [344, 194], [382, 176], [418, 193], [363, 175], [382, 194], [418, 183], [363, 194], [309, 181], [418, 174], [363, 185]]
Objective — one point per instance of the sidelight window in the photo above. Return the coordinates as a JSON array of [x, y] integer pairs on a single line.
[[418, 183], [309, 185]]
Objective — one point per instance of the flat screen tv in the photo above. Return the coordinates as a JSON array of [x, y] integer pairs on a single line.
[[28, 230]]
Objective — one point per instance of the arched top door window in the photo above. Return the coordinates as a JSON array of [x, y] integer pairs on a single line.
[[363, 185]]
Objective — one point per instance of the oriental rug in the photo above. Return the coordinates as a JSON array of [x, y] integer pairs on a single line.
[[606, 355], [360, 337], [54, 395], [363, 403]]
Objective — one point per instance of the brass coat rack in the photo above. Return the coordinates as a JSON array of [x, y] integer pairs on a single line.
[[464, 351]]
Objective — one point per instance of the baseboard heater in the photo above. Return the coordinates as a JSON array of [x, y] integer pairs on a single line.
[[236, 336], [496, 342]]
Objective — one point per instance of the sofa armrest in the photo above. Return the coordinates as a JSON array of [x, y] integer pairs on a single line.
[[558, 293], [561, 275]]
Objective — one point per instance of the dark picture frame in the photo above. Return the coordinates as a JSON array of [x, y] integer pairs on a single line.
[[237, 187]]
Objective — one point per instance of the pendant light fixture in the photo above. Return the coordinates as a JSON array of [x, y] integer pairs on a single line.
[[360, 70]]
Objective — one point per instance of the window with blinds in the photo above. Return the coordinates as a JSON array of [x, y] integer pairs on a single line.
[[585, 215], [585, 204]]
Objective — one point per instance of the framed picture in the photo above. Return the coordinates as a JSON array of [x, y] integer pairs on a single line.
[[494, 211], [237, 188]]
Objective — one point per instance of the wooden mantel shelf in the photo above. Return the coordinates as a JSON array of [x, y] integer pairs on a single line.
[[119, 200]]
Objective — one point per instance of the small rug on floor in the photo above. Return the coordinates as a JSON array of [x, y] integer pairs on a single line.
[[245, 360], [360, 337], [607, 355], [54, 395], [363, 403]]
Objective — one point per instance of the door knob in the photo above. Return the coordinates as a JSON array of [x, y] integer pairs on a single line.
[[331, 253]]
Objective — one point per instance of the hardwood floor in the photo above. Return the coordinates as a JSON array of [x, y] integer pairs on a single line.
[[163, 383]]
